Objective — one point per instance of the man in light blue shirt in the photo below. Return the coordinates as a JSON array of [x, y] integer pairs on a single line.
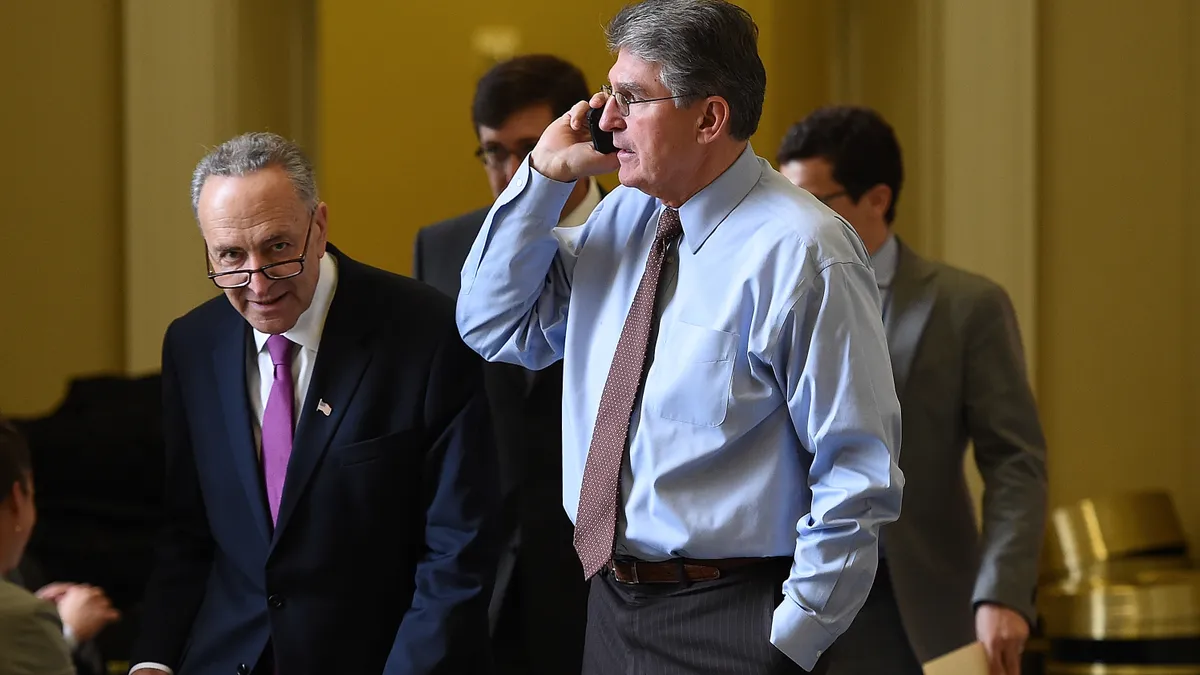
[[756, 448]]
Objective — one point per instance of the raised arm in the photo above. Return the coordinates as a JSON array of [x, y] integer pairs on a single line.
[[516, 282]]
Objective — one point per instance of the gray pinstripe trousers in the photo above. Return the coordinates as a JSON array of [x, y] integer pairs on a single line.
[[719, 627]]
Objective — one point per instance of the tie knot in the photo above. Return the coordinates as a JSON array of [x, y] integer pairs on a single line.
[[280, 349], [669, 226]]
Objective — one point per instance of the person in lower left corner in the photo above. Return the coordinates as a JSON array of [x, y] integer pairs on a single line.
[[37, 632]]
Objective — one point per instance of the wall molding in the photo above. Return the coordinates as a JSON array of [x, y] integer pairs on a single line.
[[196, 74], [982, 77]]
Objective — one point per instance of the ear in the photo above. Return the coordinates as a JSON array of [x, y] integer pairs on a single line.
[[10, 501], [321, 225], [713, 121], [878, 199]]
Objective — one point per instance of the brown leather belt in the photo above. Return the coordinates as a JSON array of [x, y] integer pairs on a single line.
[[676, 570]]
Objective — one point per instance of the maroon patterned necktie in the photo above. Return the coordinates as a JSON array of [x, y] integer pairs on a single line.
[[596, 518]]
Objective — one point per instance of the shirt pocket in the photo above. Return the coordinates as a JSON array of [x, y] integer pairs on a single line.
[[691, 377]]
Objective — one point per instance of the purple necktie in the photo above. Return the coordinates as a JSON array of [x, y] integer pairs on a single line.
[[277, 424]]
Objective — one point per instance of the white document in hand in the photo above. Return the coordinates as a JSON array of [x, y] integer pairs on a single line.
[[969, 660]]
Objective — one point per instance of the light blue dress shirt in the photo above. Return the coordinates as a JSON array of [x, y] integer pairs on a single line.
[[768, 423]]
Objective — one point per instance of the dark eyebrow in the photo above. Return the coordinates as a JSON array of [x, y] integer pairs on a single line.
[[275, 239]]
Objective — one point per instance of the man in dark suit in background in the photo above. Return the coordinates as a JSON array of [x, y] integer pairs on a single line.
[[330, 467], [539, 608], [960, 374]]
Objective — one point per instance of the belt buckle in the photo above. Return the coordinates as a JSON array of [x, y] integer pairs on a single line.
[[632, 565]]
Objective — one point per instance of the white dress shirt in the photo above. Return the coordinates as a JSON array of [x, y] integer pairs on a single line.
[[260, 372]]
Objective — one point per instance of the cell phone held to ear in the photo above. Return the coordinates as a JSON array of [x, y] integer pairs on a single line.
[[602, 140]]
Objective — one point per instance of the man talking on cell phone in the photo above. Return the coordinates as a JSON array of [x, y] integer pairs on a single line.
[[730, 422]]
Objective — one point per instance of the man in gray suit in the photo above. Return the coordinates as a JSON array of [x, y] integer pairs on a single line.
[[960, 374]]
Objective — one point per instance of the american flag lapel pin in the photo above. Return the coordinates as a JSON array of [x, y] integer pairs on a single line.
[[323, 407]]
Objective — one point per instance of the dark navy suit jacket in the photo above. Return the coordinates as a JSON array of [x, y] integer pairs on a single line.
[[539, 609], [383, 557]]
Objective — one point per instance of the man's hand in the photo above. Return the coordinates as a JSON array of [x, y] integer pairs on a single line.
[[1003, 633], [564, 152], [86, 610]]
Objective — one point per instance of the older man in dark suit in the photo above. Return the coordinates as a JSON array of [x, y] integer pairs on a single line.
[[539, 607], [330, 466], [960, 373]]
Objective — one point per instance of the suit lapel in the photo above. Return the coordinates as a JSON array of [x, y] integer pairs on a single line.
[[229, 366], [912, 300], [342, 359]]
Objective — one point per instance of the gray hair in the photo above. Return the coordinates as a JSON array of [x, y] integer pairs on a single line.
[[253, 152], [704, 48]]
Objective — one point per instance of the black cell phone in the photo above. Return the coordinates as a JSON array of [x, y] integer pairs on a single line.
[[602, 140]]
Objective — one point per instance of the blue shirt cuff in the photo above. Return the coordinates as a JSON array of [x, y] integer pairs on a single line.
[[798, 635], [546, 196]]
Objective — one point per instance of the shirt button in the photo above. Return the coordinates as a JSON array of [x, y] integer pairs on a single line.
[[275, 601]]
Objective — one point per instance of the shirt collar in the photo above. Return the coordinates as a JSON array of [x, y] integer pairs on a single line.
[[701, 214], [580, 213], [308, 328], [884, 261]]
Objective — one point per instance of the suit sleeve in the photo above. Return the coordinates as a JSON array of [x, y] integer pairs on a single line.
[[185, 550], [1010, 451], [446, 629]]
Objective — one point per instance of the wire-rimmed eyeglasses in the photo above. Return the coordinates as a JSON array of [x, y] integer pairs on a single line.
[[623, 101], [284, 269]]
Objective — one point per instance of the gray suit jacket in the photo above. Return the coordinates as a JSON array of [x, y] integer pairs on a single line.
[[960, 374], [31, 639]]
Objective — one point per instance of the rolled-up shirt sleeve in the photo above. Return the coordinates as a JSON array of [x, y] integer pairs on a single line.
[[832, 362]]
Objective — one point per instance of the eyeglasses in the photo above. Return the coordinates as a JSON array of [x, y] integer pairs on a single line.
[[623, 101], [497, 156], [825, 199], [284, 269]]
